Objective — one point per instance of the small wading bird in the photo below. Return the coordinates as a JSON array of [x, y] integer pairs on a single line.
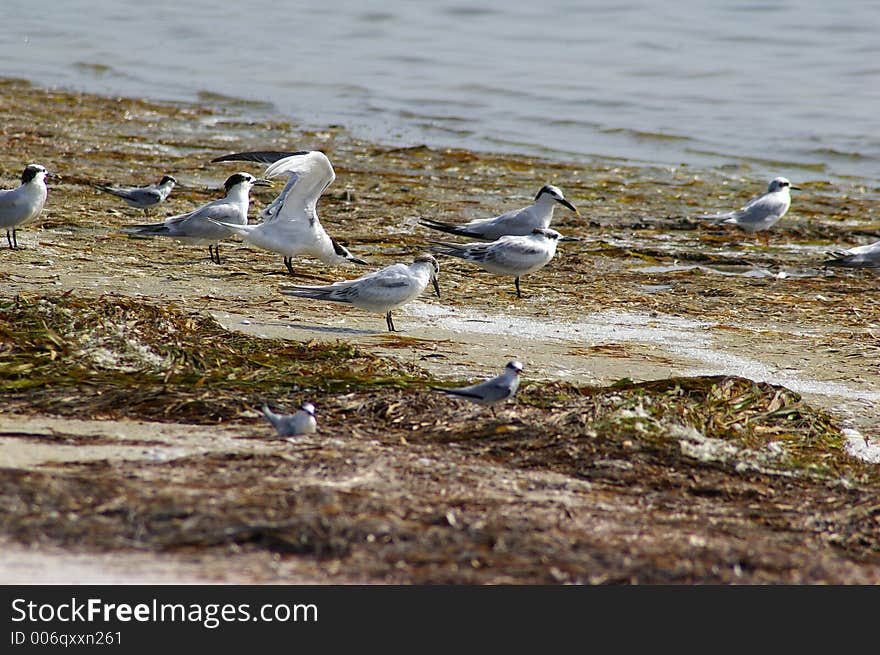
[[142, 197], [508, 255], [292, 425], [21, 205], [518, 222], [381, 291], [209, 223], [867, 256], [760, 213], [290, 224], [492, 391]]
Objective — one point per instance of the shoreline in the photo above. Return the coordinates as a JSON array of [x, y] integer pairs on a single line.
[[667, 308], [725, 166]]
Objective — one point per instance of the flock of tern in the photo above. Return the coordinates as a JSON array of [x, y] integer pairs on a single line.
[[513, 244]]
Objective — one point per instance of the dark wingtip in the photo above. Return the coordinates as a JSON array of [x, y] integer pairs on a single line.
[[448, 228], [342, 251], [259, 156]]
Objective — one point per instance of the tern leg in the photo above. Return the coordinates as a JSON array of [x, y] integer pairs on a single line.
[[389, 322], [289, 266], [9, 239], [492, 407], [15, 239], [518, 292]]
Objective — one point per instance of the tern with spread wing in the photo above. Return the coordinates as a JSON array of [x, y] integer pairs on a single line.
[[290, 224]]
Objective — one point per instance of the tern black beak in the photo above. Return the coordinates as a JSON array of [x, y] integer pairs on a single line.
[[261, 182], [436, 286], [355, 260], [566, 203], [794, 188], [53, 176], [571, 239]]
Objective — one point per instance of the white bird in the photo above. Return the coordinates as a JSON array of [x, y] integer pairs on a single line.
[[142, 197], [763, 212], [518, 222], [491, 391], [508, 255], [292, 425], [290, 224], [203, 225], [381, 291], [21, 205], [867, 256]]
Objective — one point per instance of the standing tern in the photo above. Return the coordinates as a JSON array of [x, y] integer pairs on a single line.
[[518, 222], [508, 255], [290, 224], [292, 425], [763, 212], [380, 291], [491, 391], [867, 256], [142, 197], [21, 205], [209, 223]]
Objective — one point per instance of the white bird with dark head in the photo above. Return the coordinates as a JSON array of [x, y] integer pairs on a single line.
[[21, 205], [209, 223], [519, 222], [142, 197], [290, 224]]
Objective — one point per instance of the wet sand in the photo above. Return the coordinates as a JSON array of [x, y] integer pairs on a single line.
[[649, 294]]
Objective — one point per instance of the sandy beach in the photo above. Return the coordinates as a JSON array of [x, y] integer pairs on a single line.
[[698, 406]]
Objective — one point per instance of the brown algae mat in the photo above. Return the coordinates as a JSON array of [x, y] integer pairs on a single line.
[[131, 371]]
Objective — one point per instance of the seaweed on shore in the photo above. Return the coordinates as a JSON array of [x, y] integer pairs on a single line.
[[116, 356]]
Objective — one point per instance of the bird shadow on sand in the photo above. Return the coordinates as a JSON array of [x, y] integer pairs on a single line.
[[316, 328]]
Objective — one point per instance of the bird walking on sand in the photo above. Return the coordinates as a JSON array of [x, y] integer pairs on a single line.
[[142, 197], [492, 391], [380, 291], [760, 213], [290, 224], [508, 255], [21, 205], [867, 256], [292, 425], [203, 225], [518, 222]]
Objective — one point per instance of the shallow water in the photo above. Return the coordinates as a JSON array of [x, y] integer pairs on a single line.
[[783, 87]]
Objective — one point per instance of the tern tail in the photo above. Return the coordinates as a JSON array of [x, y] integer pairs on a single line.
[[450, 228], [147, 230], [458, 392]]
